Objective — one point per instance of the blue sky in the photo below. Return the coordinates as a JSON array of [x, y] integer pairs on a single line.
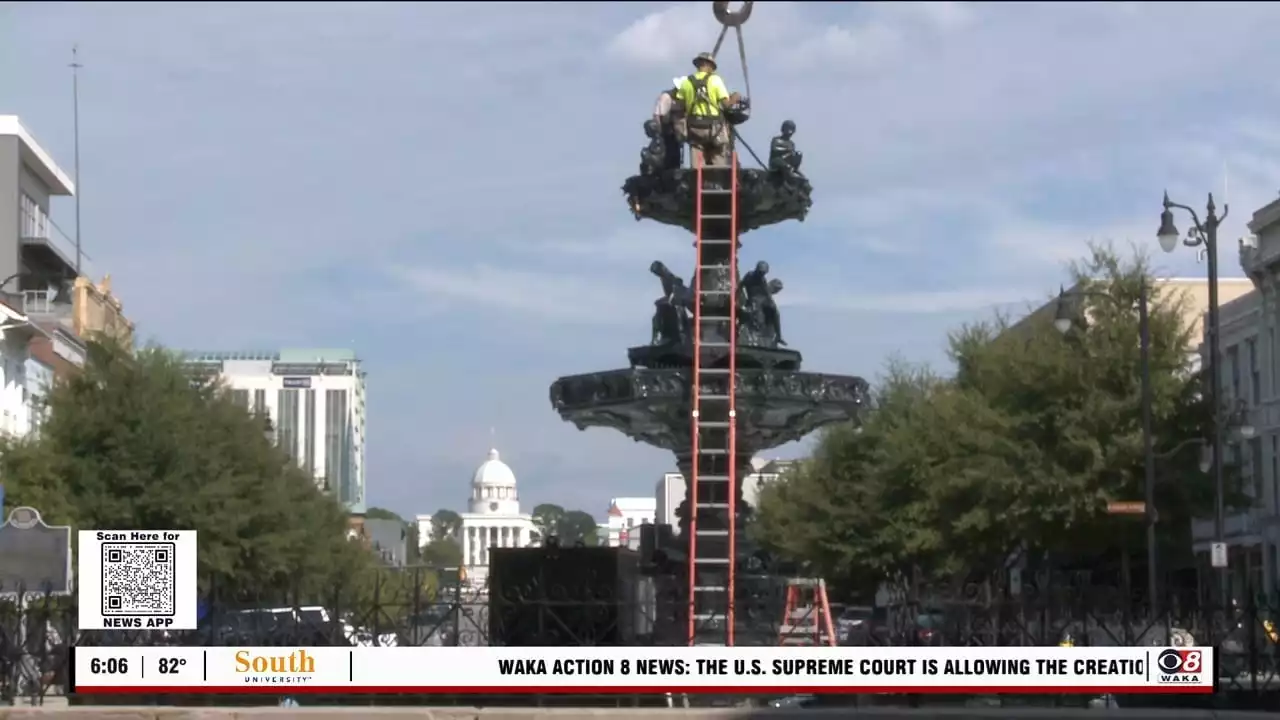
[[437, 185]]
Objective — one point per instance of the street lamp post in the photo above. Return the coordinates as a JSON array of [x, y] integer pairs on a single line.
[[1205, 234], [1063, 320]]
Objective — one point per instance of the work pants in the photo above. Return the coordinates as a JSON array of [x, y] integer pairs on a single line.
[[712, 138]]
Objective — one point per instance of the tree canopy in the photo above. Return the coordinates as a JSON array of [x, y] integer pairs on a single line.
[[570, 526], [132, 442], [1018, 452], [377, 513], [445, 523]]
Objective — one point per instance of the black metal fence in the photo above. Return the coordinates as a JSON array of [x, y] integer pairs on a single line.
[[424, 606]]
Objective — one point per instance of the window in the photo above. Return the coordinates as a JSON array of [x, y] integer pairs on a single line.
[[1275, 474], [1271, 358], [34, 220], [240, 398], [337, 433], [309, 435], [1255, 377], [287, 422], [1233, 366], [1255, 469]]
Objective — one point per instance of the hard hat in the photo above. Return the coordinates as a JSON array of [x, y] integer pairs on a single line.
[[706, 57]]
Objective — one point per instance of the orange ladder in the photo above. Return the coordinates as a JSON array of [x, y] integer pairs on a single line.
[[807, 617], [712, 481]]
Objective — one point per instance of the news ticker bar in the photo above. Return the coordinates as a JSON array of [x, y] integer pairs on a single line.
[[631, 670]]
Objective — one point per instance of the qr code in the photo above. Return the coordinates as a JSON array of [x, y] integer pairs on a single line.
[[138, 578]]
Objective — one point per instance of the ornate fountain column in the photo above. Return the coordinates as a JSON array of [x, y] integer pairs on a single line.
[[777, 402]]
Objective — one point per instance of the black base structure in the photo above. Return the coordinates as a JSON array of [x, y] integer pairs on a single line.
[[566, 597]]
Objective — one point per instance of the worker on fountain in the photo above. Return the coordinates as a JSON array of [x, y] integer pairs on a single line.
[[704, 99], [666, 112]]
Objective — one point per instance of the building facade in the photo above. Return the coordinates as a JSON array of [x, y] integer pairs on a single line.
[[34, 253], [493, 519], [624, 518], [315, 401], [1250, 374], [38, 261], [19, 413]]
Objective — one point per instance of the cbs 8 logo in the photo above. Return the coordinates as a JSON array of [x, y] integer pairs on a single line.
[[1173, 661]]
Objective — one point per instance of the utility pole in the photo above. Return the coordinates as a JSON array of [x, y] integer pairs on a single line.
[[75, 129]]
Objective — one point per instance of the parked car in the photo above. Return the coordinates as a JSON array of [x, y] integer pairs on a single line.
[[861, 625], [853, 620]]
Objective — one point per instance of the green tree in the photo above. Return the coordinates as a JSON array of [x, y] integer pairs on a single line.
[[546, 518], [377, 513], [577, 526], [444, 552], [132, 443], [445, 523], [1020, 451]]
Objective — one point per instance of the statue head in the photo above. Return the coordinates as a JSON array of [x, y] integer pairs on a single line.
[[762, 267], [657, 268], [788, 128], [651, 128]]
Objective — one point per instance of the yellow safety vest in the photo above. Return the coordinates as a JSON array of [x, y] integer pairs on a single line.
[[702, 93]]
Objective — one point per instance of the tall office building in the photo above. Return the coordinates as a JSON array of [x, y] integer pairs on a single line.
[[316, 402]]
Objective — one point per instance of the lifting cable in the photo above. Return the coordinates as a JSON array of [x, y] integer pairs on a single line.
[[733, 20], [729, 19]]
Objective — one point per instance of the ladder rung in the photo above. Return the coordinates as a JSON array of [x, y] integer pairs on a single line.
[[715, 191], [713, 397], [714, 344], [806, 582], [714, 371], [714, 478], [717, 217], [712, 561], [714, 318], [709, 588], [708, 616], [712, 451], [713, 506], [713, 533], [714, 267], [715, 292], [711, 424]]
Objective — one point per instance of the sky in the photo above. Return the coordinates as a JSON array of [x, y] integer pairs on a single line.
[[437, 185]]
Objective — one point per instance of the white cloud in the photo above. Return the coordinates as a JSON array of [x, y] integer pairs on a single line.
[[922, 302], [960, 153], [786, 32], [555, 297]]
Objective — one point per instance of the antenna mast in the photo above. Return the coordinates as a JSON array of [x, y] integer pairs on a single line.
[[75, 121]]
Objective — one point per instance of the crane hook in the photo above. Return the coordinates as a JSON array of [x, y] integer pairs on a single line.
[[731, 19]]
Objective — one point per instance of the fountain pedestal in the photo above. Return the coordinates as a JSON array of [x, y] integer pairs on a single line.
[[777, 403]]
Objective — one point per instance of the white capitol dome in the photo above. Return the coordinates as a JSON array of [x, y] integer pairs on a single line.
[[494, 472], [493, 488]]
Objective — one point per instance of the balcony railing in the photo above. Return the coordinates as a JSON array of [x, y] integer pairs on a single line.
[[45, 302], [36, 225]]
